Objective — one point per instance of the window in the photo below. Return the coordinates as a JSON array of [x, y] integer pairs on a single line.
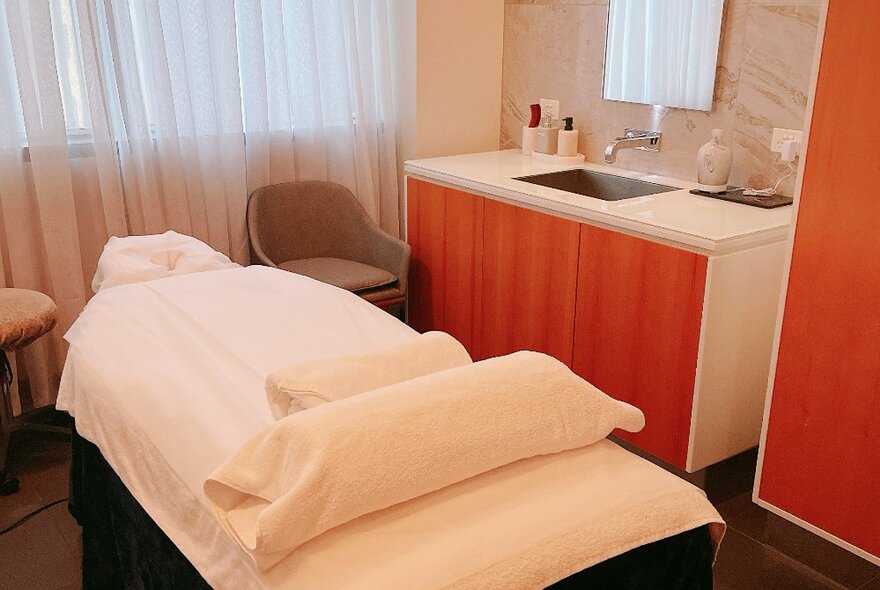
[[68, 57], [290, 62], [68, 60]]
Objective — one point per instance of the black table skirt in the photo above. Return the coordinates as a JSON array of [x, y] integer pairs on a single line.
[[123, 548]]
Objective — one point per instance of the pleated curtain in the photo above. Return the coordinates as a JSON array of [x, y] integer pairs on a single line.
[[130, 117]]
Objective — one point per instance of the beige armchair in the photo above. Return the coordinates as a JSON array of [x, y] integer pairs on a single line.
[[319, 229]]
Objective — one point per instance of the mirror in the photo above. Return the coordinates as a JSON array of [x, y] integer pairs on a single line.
[[663, 52]]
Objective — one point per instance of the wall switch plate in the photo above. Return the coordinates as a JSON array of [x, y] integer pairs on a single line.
[[780, 136], [550, 107]]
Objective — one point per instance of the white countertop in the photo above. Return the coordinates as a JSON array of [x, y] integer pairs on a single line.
[[697, 223]]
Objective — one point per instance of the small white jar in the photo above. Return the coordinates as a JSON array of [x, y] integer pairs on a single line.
[[714, 161]]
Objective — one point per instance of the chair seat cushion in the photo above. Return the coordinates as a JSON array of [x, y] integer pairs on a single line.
[[345, 274], [25, 315]]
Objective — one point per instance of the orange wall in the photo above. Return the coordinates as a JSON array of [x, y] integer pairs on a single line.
[[822, 452]]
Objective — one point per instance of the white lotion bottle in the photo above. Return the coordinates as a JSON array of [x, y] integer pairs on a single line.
[[567, 145], [547, 137], [714, 161]]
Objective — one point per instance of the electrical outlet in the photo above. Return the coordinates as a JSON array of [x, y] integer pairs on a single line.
[[550, 107], [780, 136]]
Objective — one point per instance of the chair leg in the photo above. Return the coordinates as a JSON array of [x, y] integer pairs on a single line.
[[43, 420], [8, 485], [395, 307], [403, 309], [398, 310]]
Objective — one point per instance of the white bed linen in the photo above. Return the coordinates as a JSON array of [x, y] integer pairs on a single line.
[[168, 384], [187, 357]]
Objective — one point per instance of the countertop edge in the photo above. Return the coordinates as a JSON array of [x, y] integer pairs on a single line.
[[649, 231]]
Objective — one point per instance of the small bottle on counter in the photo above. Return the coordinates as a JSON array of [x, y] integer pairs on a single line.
[[567, 146], [530, 131], [547, 137]]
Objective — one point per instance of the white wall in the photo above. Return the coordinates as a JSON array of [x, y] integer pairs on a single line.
[[447, 65], [458, 106]]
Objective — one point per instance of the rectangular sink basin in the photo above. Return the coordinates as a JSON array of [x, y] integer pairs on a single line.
[[597, 184]]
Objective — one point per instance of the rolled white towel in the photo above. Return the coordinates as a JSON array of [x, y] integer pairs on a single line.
[[316, 470], [307, 384]]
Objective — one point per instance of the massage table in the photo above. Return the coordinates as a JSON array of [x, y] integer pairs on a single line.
[[165, 380]]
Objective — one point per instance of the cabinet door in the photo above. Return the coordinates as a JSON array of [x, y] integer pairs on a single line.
[[444, 229], [821, 454], [529, 282], [637, 332]]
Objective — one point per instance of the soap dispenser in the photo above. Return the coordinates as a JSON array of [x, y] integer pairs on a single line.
[[714, 161], [567, 146], [547, 137]]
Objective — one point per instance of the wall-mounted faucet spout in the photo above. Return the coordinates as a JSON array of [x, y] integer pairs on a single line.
[[639, 139]]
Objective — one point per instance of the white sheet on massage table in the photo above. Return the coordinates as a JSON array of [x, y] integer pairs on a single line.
[[168, 384]]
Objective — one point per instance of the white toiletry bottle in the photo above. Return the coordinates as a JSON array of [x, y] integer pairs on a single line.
[[567, 145], [714, 161], [547, 137], [530, 131], [529, 139]]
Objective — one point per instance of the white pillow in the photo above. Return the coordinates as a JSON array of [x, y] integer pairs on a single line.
[[307, 384]]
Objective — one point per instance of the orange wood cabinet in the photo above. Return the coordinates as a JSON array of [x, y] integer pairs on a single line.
[[529, 282], [636, 318], [497, 277], [821, 455], [445, 231], [637, 332]]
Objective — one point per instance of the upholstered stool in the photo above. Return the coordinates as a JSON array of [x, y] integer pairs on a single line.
[[24, 316]]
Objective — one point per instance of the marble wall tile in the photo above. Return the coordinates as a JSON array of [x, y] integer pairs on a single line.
[[555, 49], [788, 2], [773, 87], [559, 2]]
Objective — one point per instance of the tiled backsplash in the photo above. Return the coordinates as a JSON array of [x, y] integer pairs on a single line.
[[555, 49]]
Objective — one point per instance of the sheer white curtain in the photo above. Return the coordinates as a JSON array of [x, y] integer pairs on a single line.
[[317, 94], [663, 51], [123, 117]]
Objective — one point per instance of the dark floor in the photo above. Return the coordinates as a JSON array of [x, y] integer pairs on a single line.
[[760, 550], [45, 552]]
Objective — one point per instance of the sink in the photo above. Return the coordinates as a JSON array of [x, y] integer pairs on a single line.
[[598, 185]]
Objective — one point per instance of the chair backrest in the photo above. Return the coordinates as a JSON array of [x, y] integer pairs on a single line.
[[305, 219]]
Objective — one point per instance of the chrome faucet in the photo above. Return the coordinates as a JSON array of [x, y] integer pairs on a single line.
[[639, 139]]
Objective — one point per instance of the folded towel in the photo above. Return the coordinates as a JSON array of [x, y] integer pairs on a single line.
[[315, 470], [311, 383], [136, 259]]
